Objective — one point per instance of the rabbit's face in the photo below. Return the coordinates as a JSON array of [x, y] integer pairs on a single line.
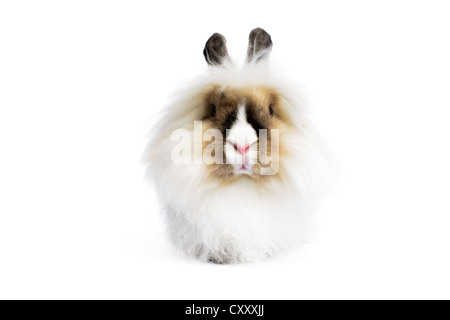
[[245, 116], [242, 115]]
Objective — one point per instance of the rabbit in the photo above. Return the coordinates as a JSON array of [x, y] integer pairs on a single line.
[[234, 207]]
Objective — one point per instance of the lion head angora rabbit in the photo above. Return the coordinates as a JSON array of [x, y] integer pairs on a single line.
[[235, 160]]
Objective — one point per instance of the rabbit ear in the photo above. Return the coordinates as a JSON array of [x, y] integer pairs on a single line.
[[259, 45], [215, 51]]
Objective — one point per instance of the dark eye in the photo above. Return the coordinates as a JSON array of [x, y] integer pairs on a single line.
[[213, 110], [271, 110]]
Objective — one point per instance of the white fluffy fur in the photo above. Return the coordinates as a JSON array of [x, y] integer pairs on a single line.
[[242, 221], [241, 133]]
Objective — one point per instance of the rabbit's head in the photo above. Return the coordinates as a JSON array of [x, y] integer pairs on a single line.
[[248, 113], [241, 122]]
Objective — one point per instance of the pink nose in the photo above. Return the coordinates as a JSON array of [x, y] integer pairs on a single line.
[[241, 149]]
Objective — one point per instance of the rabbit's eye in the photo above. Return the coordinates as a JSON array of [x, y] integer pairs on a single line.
[[271, 110], [213, 110]]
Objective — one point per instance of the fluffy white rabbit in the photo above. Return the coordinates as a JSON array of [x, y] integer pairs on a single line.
[[235, 161]]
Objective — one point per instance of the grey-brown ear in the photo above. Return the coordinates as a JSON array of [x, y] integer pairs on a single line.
[[215, 51], [259, 45]]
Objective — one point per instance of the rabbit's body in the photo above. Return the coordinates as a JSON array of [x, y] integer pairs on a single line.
[[228, 212]]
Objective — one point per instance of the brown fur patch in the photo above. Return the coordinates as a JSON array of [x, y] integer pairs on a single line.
[[264, 111]]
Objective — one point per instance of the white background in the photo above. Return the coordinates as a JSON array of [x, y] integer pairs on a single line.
[[81, 81]]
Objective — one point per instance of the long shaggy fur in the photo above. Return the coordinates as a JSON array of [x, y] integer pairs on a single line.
[[246, 220]]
